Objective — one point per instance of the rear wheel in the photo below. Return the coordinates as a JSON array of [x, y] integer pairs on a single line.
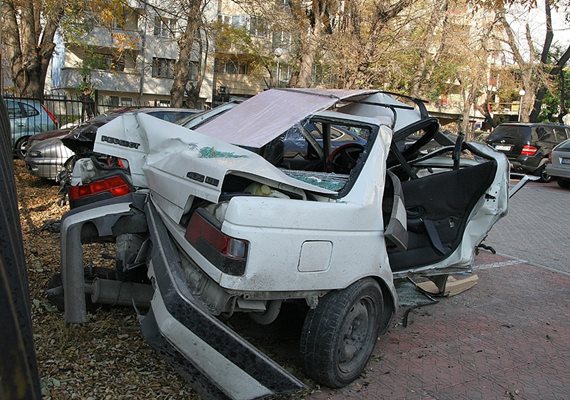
[[564, 183], [340, 333], [544, 177]]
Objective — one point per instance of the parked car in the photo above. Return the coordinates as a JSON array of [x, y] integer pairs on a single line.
[[528, 145], [559, 166], [234, 232], [48, 152], [27, 117], [58, 133]]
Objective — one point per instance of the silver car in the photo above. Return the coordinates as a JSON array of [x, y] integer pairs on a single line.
[[559, 166], [46, 158]]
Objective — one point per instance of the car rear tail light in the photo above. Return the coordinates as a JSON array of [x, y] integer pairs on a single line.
[[115, 185], [226, 253], [528, 150], [51, 116]]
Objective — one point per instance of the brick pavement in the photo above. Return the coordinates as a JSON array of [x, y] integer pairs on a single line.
[[537, 228], [506, 338]]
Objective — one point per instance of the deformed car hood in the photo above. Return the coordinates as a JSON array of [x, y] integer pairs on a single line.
[[167, 157]]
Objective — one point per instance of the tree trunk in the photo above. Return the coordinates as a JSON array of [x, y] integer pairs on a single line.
[[361, 77], [542, 90], [185, 44], [310, 41], [484, 109], [425, 69], [309, 50], [29, 46], [468, 96]]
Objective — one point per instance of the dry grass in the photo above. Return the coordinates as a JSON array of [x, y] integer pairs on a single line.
[[103, 359]]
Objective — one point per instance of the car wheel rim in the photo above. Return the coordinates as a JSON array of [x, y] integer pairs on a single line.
[[22, 148], [355, 335]]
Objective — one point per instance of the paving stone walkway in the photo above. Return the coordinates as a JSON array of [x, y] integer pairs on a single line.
[[506, 338]]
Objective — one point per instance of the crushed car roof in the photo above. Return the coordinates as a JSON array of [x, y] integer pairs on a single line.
[[258, 120]]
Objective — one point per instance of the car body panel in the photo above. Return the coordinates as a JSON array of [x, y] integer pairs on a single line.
[[560, 161], [49, 151], [270, 121], [46, 158]]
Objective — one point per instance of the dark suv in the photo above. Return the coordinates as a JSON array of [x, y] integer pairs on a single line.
[[528, 145]]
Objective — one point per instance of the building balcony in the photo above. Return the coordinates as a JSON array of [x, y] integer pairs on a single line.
[[114, 81], [124, 39]]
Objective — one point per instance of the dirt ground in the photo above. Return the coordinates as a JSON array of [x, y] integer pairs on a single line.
[[104, 359]]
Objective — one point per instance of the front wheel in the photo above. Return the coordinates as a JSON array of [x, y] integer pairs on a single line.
[[20, 147], [339, 335]]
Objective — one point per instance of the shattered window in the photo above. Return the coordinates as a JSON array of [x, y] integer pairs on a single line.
[[305, 149]]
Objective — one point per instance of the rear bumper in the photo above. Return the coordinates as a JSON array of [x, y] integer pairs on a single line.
[[524, 164], [557, 171], [223, 364]]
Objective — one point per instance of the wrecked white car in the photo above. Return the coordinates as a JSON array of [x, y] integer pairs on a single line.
[[221, 220]]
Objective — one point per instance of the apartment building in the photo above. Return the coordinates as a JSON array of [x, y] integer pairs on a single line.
[[130, 62]]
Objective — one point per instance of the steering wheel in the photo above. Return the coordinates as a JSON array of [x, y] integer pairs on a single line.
[[344, 158]]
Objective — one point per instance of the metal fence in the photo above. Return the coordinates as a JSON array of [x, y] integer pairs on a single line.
[[29, 116]]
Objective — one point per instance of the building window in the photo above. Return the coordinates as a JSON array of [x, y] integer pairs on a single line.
[[116, 101], [164, 27], [282, 40], [231, 67], [257, 26], [163, 67], [126, 19], [236, 21], [162, 103], [193, 73]]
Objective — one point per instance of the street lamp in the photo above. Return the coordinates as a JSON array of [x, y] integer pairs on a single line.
[[521, 94], [278, 52]]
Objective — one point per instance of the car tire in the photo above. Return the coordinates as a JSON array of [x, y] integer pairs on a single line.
[[20, 147], [544, 176], [564, 183], [339, 335]]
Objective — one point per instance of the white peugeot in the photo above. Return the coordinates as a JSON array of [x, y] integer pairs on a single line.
[[321, 197]]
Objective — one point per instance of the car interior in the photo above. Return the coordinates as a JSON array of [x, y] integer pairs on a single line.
[[438, 197]]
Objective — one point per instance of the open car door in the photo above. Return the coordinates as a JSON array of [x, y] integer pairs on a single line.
[[452, 196]]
